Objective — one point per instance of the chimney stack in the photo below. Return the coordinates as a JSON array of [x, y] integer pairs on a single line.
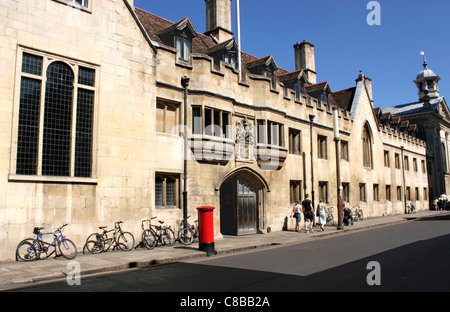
[[218, 19], [305, 59]]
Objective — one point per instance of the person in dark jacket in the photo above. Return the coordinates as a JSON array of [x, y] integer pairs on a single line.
[[308, 212]]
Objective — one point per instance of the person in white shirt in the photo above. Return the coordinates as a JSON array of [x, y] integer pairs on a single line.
[[296, 214]]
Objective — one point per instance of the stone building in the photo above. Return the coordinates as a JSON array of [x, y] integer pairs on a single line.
[[93, 121], [430, 116]]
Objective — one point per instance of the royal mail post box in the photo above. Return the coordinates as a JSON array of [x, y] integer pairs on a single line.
[[206, 229]]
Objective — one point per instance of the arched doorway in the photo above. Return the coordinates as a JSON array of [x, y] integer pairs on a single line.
[[242, 198]]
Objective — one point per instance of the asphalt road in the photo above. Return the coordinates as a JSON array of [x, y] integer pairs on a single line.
[[408, 257]]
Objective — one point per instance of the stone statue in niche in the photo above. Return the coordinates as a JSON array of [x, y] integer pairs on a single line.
[[245, 140]]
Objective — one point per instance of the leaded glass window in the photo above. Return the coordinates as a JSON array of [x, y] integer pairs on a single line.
[[56, 115]]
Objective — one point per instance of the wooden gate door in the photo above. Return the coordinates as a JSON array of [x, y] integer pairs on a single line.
[[238, 207], [246, 207]]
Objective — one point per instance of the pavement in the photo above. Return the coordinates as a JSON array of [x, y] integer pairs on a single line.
[[14, 275]]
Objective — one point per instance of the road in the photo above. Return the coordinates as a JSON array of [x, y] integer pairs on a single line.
[[407, 257]]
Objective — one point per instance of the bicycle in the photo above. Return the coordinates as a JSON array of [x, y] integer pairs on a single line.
[[97, 243], [154, 234], [357, 213], [187, 233], [30, 249], [330, 217]]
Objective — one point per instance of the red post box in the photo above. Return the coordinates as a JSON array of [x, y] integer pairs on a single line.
[[206, 229]]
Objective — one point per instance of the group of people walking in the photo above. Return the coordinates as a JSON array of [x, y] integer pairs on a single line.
[[440, 204], [306, 208]]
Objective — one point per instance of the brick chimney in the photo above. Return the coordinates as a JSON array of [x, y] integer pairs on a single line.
[[305, 59], [218, 19]]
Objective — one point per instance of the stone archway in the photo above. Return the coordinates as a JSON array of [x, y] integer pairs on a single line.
[[242, 202]]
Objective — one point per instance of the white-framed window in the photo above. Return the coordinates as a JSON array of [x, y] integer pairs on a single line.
[[184, 47], [54, 129]]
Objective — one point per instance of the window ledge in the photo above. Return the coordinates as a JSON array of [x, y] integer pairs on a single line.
[[48, 179]]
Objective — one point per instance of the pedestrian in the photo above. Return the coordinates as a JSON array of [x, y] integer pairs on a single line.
[[435, 203], [440, 203], [445, 199], [322, 214], [308, 213], [297, 215]]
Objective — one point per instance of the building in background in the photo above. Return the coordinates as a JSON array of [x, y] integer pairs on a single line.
[[430, 117]]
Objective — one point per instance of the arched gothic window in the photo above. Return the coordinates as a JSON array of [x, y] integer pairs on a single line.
[[56, 118], [367, 147]]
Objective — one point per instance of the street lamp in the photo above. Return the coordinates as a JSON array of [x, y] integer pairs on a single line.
[[338, 166], [185, 85]]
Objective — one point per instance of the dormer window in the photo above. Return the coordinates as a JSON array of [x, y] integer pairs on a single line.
[[179, 36], [324, 98], [184, 47], [226, 52], [265, 66], [230, 59]]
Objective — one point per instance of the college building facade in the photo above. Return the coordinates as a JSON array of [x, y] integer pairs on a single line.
[[96, 97]]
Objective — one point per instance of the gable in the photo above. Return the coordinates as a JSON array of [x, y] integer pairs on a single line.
[[443, 111]]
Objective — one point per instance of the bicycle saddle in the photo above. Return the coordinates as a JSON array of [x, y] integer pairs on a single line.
[[36, 230], [102, 227]]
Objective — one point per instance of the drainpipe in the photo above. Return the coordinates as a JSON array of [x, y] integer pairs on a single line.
[[311, 119], [185, 84], [404, 183]]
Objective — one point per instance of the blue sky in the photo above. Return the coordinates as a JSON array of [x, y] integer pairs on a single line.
[[344, 42]]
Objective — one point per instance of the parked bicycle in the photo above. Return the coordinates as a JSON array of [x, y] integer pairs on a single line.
[[97, 243], [357, 213], [187, 233], [30, 249], [330, 217], [154, 234]]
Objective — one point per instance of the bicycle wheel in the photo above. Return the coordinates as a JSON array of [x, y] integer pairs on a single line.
[[185, 236], [67, 248], [149, 239], [26, 250], [168, 237], [125, 241], [94, 243], [361, 215]]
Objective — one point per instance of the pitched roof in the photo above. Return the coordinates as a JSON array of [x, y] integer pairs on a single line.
[[267, 60], [412, 108], [203, 44], [343, 98]]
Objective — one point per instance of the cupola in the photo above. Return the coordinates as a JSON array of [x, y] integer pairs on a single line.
[[427, 83]]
